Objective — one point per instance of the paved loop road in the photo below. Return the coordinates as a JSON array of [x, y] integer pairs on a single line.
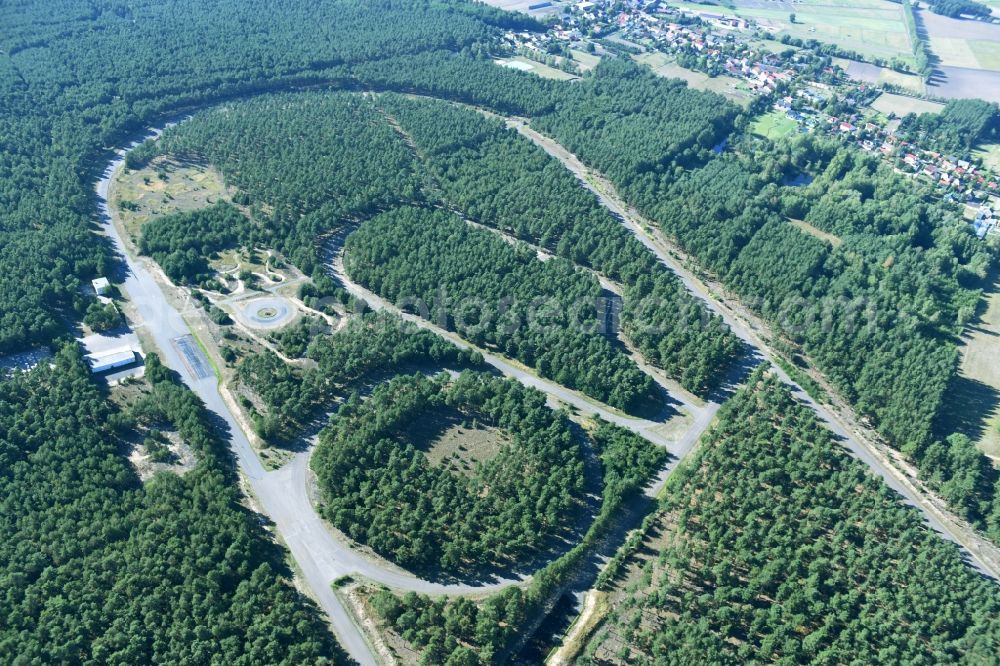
[[283, 494]]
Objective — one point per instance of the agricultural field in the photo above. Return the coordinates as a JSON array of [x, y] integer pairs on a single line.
[[773, 125], [869, 73], [901, 105], [961, 82], [874, 28], [967, 53], [664, 65]]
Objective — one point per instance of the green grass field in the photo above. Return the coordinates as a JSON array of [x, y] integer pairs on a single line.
[[544, 71], [728, 86], [586, 61], [980, 376], [989, 153], [773, 125], [901, 105]]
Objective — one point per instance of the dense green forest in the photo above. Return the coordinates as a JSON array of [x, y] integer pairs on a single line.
[[877, 311], [380, 488], [357, 165], [494, 176], [374, 342], [957, 128], [183, 243], [305, 163], [775, 546], [543, 313], [633, 124], [81, 74], [99, 568], [462, 632]]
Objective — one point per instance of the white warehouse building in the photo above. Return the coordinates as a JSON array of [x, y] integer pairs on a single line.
[[111, 359]]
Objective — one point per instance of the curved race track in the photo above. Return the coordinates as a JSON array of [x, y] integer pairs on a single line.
[[283, 494]]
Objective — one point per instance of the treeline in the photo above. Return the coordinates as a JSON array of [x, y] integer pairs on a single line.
[[371, 343], [96, 567], [958, 8], [921, 50], [958, 128], [876, 312], [542, 313], [183, 243], [380, 488], [776, 546], [494, 176], [631, 123], [458, 77], [463, 632]]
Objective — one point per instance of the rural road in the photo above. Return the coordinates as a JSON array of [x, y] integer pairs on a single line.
[[981, 554], [283, 494]]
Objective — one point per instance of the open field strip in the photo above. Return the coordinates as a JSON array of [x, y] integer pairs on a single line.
[[728, 86], [535, 67], [980, 366], [863, 71], [873, 28], [901, 105]]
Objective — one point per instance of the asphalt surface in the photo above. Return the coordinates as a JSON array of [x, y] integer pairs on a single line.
[[250, 311], [283, 494], [315, 551], [977, 551]]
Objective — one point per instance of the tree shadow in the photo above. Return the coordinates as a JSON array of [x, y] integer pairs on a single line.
[[968, 404], [737, 374]]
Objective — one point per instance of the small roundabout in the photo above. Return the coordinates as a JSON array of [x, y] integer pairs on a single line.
[[267, 313]]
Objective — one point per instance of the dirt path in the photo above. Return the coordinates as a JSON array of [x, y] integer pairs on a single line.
[[573, 641]]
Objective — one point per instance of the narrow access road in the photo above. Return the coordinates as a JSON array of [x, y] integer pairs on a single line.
[[981, 554], [320, 555], [165, 325], [557, 393]]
